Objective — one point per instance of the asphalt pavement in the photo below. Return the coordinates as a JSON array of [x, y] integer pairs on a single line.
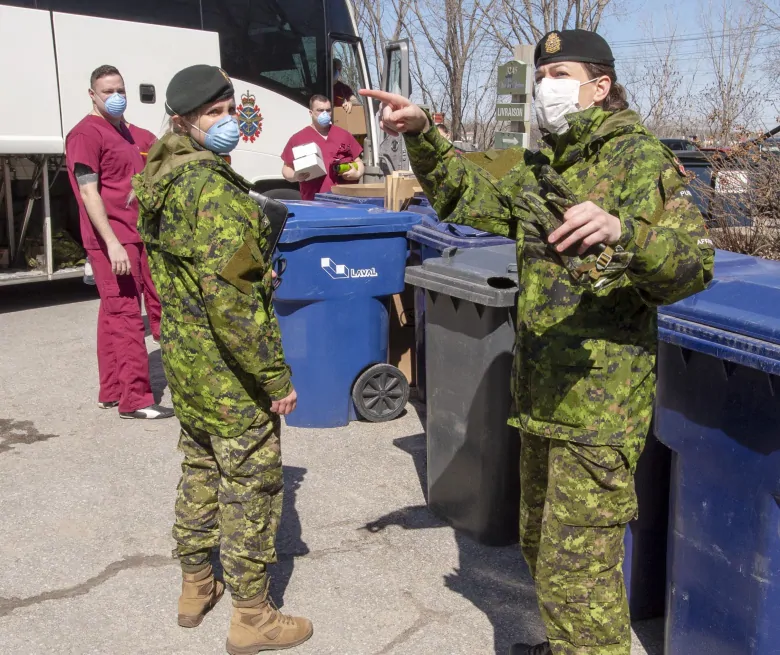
[[86, 506]]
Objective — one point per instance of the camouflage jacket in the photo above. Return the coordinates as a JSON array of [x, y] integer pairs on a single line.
[[220, 340], [585, 357]]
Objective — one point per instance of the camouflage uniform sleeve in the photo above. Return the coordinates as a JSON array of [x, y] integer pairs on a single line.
[[673, 256], [459, 190], [236, 285]]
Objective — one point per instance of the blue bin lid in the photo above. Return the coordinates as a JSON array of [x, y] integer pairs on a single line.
[[736, 318], [351, 200], [325, 219], [446, 235]]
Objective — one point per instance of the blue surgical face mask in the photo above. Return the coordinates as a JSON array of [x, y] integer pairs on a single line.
[[324, 119], [222, 137], [115, 104]]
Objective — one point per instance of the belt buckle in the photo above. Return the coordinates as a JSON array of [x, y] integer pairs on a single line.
[[604, 259]]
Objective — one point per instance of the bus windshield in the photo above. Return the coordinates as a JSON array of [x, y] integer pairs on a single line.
[[276, 44]]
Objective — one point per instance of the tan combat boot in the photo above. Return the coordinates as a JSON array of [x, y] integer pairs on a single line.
[[199, 593], [256, 625]]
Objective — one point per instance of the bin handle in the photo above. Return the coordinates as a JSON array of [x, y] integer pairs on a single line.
[[449, 252], [457, 232]]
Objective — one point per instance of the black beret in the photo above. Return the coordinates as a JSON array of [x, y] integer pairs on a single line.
[[196, 86], [573, 45]]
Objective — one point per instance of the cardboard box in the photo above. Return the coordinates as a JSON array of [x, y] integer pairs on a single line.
[[306, 149], [311, 164], [402, 352], [400, 187], [353, 122], [371, 190]]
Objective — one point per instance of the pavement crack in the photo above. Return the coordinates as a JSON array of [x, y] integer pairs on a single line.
[[14, 433], [425, 617], [352, 546], [8, 605]]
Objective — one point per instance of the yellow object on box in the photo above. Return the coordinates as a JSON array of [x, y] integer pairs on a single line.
[[344, 168]]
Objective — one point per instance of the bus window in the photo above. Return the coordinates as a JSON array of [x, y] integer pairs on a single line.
[[347, 74], [26, 4], [173, 13], [271, 43]]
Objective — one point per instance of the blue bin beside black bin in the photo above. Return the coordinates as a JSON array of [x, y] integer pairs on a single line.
[[431, 238], [718, 410], [343, 263]]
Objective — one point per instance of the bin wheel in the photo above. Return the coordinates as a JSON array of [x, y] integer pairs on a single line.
[[380, 393]]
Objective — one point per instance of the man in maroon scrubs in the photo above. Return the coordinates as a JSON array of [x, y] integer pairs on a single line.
[[103, 153], [337, 145]]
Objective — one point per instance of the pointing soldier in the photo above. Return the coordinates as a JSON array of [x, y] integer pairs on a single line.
[[223, 358], [606, 231]]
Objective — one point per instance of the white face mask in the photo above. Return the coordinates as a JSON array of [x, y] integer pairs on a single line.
[[554, 100]]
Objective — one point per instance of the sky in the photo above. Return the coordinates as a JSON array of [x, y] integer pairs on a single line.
[[642, 20]]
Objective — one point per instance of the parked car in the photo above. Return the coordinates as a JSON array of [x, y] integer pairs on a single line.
[[680, 145]]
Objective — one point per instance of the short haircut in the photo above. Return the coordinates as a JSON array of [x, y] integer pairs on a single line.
[[318, 98], [337, 61], [103, 71]]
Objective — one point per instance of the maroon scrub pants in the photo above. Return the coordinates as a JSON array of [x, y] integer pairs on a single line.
[[123, 363]]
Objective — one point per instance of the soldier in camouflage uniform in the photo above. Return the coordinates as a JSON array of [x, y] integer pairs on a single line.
[[606, 231], [223, 358]]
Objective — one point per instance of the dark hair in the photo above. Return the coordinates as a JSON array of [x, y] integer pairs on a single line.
[[317, 98], [616, 100], [336, 60], [102, 71]]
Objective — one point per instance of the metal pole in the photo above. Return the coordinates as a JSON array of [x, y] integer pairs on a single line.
[[47, 236], [30, 202], [9, 209]]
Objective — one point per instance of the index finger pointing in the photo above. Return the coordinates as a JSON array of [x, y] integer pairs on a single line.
[[385, 97]]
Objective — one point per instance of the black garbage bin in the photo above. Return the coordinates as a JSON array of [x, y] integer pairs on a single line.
[[473, 455]]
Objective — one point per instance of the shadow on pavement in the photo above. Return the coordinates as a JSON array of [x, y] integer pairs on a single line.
[[157, 375], [650, 634], [495, 580], [289, 541], [20, 297]]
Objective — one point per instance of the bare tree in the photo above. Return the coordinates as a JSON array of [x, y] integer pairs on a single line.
[[527, 21], [380, 21], [656, 86], [729, 103], [454, 39]]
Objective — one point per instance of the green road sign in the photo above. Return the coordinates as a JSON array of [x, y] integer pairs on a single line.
[[507, 140], [513, 111], [511, 78]]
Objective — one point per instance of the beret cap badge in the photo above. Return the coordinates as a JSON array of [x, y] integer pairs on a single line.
[[553, 44]]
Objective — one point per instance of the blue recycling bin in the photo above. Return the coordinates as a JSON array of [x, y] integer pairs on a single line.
[[344, 262], [430, 238], [718, 410], [374, 201]]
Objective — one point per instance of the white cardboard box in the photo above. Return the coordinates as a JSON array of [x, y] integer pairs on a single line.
[[307, 149], [311, 164]]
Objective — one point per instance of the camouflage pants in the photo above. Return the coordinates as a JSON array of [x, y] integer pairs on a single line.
[[230, 495], [575, 503]]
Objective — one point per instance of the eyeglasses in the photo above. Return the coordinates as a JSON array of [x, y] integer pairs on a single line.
[[279, 266]]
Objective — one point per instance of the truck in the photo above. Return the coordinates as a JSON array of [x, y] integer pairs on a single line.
[[278, 55]]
